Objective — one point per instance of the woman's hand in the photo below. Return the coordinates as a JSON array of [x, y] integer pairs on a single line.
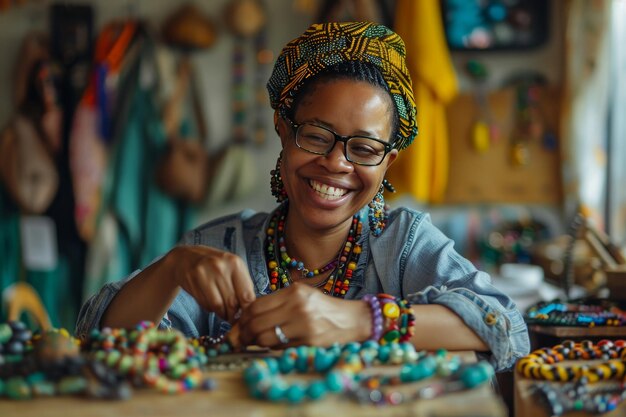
[[306, 316], [218, 280]]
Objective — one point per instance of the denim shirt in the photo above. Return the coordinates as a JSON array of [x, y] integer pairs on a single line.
[[411, 259]]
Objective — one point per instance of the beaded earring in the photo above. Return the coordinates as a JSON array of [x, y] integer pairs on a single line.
[[276, 181], [377, 209]]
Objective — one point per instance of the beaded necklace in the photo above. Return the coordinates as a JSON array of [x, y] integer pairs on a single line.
[[557, 313], [164, 360], [543, 364], [578, 396], [342, 266], [341, 372]]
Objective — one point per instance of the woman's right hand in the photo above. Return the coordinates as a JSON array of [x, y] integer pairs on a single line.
[[219, 281]]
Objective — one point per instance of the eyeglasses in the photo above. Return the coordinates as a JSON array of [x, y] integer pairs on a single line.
[[359, 150]]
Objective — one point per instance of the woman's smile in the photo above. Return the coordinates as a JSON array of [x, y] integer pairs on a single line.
[[326, 191]]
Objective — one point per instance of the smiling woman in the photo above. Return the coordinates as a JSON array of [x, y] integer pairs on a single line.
[[330, 264]]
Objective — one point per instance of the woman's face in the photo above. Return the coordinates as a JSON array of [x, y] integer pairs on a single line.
[[326, 191]]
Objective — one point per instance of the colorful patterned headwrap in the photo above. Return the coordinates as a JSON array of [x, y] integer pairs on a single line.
[[327, 44]]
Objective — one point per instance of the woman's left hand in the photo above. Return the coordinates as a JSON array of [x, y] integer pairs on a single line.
[[306, 316]]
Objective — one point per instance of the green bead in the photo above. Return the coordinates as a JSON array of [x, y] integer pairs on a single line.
[[352, 347], [35, 378], [391, 335], [179, 370], [125, 364], [272, 365], [578, 405], [316, 390], [383, 353], [253, 375], [16, 388], [334, 382], [370, 344], [418, 371], [286, 363], [276, 391], [476, 375], [323, 361], [113, 357], [302, 361], [5, 332], [43, 388], [72, 385], [295, 393]]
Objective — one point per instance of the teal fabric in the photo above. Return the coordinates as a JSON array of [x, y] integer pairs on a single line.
[[149, 221], [10, 253], [53, 286]]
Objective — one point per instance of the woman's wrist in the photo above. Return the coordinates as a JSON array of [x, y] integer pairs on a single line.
[[361, 329], [165, 270], [392, 318]]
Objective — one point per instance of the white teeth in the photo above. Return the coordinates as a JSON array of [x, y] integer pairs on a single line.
[[327, 192]]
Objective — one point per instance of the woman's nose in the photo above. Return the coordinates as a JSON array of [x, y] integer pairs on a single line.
[[336, 159]]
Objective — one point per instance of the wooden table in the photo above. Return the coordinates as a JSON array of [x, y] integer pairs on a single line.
[[527, 405], [231, 399]]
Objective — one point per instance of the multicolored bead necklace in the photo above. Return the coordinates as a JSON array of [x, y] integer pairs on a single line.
[[543, 364], [342, 266], [156, 358], [555, 313], [570, 388], [578, 396], [341, 372]]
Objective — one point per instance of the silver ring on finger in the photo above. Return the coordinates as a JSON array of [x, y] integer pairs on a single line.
[[281, 335]]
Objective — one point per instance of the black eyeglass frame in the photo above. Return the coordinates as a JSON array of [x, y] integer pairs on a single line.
[[339, 138]]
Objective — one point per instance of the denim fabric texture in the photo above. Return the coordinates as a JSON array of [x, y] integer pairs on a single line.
[[412, 259]]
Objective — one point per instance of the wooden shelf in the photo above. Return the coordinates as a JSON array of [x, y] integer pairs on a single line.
[[570, 331]]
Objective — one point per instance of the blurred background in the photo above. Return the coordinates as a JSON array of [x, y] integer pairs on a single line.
[[126, 122]]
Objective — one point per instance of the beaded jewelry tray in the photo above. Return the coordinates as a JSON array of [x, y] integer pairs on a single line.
[[576, 313]]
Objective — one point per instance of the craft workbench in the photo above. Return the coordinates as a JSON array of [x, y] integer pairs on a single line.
[[230, 398]]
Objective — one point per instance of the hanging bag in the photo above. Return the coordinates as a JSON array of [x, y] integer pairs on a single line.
[[183, 170], [27, 167]]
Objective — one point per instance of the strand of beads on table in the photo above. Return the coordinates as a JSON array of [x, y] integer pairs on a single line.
[[342, 370]]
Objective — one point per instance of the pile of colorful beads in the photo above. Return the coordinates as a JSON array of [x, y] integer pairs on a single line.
[[14, 341], [341, 370], [575, 314], [162, 359], [48, 364]]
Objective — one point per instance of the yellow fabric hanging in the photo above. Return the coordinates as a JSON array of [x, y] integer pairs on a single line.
[[422, 169]]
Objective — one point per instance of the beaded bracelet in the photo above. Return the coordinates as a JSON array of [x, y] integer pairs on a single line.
[[398, 319], [159, 358], [377, 316], [542, 364]]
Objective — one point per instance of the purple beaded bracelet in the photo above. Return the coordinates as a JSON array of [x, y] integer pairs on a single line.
[[377, 316]]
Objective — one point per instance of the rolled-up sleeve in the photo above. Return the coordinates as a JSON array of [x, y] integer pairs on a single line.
[[434, 273], [500, 326]]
